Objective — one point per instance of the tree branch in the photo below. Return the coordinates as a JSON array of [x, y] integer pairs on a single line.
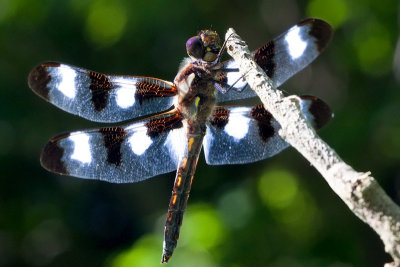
[[360, 191]]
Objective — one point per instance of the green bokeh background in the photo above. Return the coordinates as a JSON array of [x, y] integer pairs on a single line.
[[278, 212]]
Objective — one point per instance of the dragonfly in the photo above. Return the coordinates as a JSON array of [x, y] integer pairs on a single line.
[[173, 121]]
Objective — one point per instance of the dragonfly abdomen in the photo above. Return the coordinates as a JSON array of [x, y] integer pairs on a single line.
[[180, 195]]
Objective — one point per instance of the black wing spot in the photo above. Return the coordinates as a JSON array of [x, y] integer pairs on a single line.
[[157, 126], [113, 139], [320, 30], [100, 86], [147, 89], [51, 156], [264, 57], [264, 119], [220, 118], [321, 112], [39, 78]]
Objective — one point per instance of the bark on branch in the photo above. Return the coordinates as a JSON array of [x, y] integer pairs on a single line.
[[360, 191]]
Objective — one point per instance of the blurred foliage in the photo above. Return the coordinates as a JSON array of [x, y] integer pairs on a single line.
[[278, 212], [106, 22], [334, 11]]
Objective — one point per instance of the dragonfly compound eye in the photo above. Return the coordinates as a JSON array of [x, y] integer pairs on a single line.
[[195, 48]]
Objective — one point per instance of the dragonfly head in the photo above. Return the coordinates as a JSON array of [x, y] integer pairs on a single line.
[[204, 46]]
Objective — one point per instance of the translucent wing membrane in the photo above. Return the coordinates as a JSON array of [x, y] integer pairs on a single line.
[[280, 58], [159, 143], [239, 135], [99, 97], [130, 153]]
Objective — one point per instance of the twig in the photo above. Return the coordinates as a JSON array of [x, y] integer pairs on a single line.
[[360, 191]]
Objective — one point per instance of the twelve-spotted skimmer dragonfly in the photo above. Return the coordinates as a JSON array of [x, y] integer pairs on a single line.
[[191, 119]]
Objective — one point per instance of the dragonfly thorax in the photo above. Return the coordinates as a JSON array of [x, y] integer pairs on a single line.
[[196, 91]]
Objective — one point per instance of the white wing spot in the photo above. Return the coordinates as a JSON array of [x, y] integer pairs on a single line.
[[295, 44], [125, 94], [238, 124], [176, 143], [140, 142], [67, 83], [125, 97], [81, 148], [234, 77]]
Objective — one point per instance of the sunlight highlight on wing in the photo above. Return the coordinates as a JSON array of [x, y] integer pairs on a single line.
[[238, 124], [177, 143], [81, 147], [126, 96], [67, 83], [296, 45], [140, 142], [234, 78]]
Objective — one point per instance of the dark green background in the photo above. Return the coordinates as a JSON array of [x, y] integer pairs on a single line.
[[278, 212]]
